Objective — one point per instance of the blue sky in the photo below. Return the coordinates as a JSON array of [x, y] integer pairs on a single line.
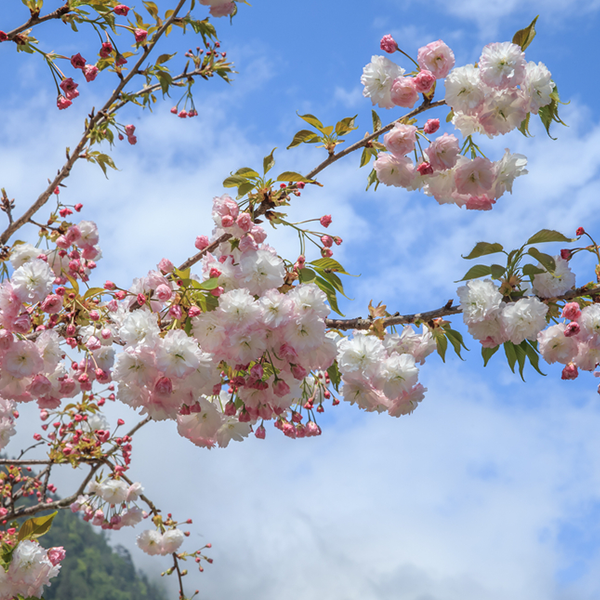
[[491, 489]]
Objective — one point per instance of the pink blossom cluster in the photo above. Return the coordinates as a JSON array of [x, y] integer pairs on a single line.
[[31, 568], [493, 321], [386, 84], [110, 504], [495, 97], [381, 375], [445, 174], [69, 87], [575, 342]]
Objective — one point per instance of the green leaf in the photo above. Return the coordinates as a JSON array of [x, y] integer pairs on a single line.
[[524, 37], [549, 113], [307, 275], [94, 291], [442, 345], [456, 339], [329, 263], [524, 126], [246, 172], [104, 161], [476, 272], [545, 259], [483, 248], [305, 136], [521, 358], [450, 116], [487, 353], [293, 176], [345, 125], [530, 349], [326, 287], [372, 179], [151, 8], [312, 120], [531, 270], [365, 157], [376, 121], [163, 58], [36, 527], [511, 355], [334, 375], [548, 235], [268, 161], [497, 271], [234, 181], [245, 188], [209, 284]]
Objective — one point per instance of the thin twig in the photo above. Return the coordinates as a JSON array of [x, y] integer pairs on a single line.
[[56, 14]]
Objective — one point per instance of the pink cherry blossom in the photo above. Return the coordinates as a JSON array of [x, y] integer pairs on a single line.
[[403, 92]]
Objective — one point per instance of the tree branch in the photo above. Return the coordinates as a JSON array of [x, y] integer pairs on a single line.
[[447, 310]]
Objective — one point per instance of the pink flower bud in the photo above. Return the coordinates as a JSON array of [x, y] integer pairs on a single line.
[[202, 242], [565, 254], [78, 207], [90, 72], [230, 409], [281, 388], [94, 315], [388, 44], [77, 61], [326, 253], [106, 50], [217, 291], [327, 241], [431, 126], [424, 81], [227, 221], [176, 312], [580, 231], [52, 304], [3, 36], [56, 554], [260, 432], [325, 221], [570, 372], [63, 103], [140, 35], [571, 311], [299, 372], [194, 311], [121, 9], [165, 266], [572, 329]]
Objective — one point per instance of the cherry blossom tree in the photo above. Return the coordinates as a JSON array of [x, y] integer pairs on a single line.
[[237, 337]]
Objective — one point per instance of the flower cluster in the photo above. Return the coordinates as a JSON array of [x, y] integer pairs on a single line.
[[108, 504], [493, 321], [30, 569], [493, 99], [381, 375]]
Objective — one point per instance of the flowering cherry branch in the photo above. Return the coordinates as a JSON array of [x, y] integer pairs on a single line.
[[95, 120]]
